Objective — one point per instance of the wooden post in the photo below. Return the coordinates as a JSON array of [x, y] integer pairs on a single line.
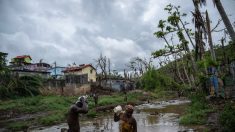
[[224, 54]]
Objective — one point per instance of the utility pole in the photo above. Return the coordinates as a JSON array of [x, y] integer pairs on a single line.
[[110, 80], [109, 67], [55, 70]]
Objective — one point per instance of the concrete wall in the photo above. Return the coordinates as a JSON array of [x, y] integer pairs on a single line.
[[59, 88], [118, 85], [77, 89]]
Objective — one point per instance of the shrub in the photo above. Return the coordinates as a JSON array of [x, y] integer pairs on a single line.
[[28, 86], [154, 79], [227, 118], [17, 126], [13, 86]]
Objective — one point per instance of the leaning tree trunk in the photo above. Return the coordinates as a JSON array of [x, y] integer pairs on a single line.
[[186, 74], [186, 48], [210, 37], [225, 19], [186, 31], [179, 73]]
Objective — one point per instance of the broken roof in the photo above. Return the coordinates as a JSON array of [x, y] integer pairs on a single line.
[[23, 56], [77, 68]]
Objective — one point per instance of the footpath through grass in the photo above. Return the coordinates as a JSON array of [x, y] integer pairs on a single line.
[[54, 108]]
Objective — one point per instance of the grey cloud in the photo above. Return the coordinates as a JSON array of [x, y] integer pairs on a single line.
[[77, 31]]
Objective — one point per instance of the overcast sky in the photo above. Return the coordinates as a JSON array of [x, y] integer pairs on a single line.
[[68, 31]]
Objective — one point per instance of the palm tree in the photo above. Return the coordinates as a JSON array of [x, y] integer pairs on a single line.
[[224, 17], [200, 29]]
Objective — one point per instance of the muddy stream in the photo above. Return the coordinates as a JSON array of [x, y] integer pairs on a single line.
[[160, 116]]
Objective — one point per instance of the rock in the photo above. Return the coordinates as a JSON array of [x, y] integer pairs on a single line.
[[208, 97], [138, 111], [154, 113], [95, 123], [157, 103], [63, 130], [145, 93], [182, 131], [188, 130]]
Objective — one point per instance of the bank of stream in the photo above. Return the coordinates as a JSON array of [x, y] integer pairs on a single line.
[[160, 116]]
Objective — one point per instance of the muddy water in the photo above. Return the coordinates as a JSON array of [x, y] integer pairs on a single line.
[[153, 117]]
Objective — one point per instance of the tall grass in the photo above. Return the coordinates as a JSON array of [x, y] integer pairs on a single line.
[[196, 112]]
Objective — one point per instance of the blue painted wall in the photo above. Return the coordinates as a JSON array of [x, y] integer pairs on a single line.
[[56, 71]]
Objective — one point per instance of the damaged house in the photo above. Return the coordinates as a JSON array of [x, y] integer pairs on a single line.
[[22, 66]]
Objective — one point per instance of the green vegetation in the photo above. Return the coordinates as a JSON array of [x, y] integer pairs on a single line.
[[164, 95], [91, 113], [227, 118], [196, 112], [54, 109], [228, 50], [54, 118], [3, 61], [155, 80], [17, 126], [14, 86], [177, 75], [37, 103]]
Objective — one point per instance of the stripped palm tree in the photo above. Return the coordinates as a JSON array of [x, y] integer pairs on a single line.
[[200, 30], [223, 15]]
